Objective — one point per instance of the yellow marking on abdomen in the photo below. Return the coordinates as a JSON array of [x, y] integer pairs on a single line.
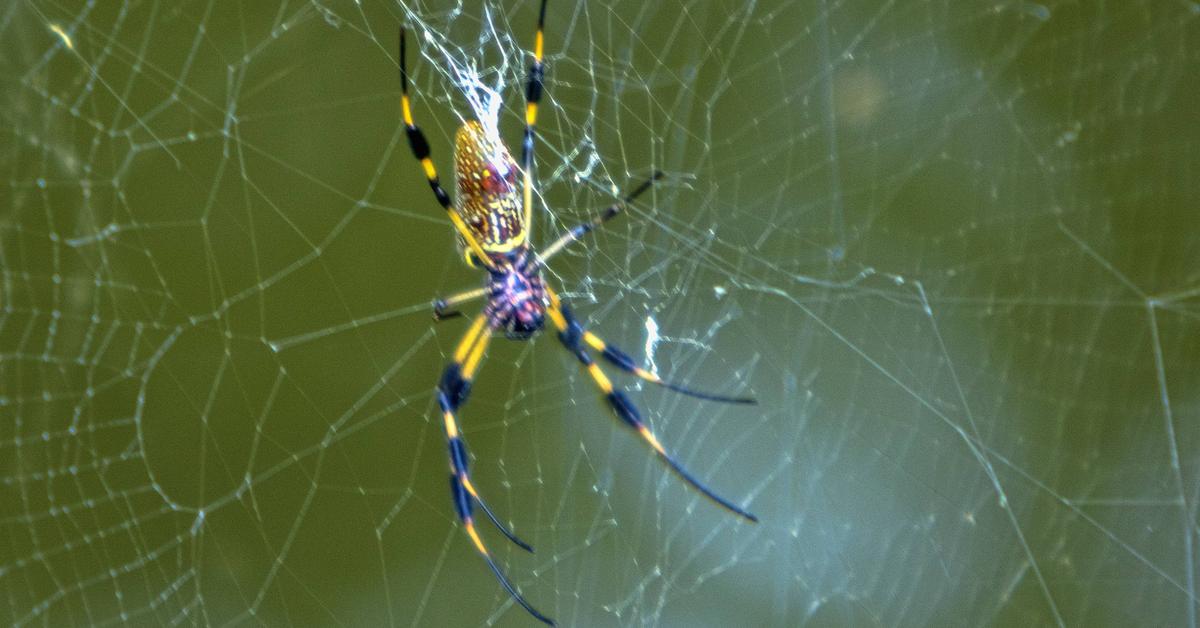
[[451, 426], [430, 170], [472, 241], [507, 245]]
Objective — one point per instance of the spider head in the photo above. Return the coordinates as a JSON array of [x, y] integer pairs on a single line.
[[517, 300]]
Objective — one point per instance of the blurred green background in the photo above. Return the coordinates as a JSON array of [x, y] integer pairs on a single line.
[[951, 247]]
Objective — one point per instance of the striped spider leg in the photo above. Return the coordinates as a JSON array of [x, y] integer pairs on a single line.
[[493, 220]]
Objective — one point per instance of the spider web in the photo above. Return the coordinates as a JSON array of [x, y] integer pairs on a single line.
[[950, 247]]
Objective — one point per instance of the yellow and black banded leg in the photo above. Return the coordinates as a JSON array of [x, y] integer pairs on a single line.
[[452, 392], [572, 336], [533, 96], [581, 230], [420, 150], [618, 358]]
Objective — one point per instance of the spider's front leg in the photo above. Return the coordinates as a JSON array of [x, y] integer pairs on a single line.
[[452, 392]]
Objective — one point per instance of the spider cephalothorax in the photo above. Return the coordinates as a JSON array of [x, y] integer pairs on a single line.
[[516, 296], [492, 220]]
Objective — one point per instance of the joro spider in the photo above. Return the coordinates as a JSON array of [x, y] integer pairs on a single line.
[[493, 221]]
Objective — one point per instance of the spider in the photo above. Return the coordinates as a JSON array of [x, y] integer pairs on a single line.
[[493, 220]]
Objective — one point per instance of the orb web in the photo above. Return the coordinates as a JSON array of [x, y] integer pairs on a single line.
[[948, 246]]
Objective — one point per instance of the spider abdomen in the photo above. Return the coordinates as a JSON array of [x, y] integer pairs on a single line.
[[489, 194], [516, 298]]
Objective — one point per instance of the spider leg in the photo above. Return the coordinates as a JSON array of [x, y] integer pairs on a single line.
[[581, 230], [624, 408], [533, 96], [452, 392], [441, 307], [420, 150], [621, 360]]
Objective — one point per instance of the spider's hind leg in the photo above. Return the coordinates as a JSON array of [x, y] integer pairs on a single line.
[[618, 358], [452, 392], [573, 335]]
